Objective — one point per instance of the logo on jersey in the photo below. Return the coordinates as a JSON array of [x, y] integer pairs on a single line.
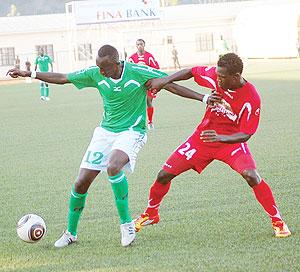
[[224, 109], [117, 89], [257, 112]]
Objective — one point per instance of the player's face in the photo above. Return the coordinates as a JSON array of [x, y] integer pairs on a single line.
[[108, 67], [225, 80], [140, 46]]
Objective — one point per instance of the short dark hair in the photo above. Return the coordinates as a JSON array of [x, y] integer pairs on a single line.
[[232, 62], [108, 50], [141, 40]]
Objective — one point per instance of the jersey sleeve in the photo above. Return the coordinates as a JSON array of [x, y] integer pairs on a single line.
[[205, 76], [146, 72], [50, 60], [132, 58], [152, 62], [81, 79], [249, 116]]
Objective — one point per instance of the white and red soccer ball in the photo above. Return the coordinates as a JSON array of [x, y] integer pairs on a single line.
[[31, 228]]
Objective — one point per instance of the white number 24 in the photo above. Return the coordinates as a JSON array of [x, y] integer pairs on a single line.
[[187, 151]]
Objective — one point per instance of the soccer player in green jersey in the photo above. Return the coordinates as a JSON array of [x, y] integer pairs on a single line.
[[43, 61], [120, 136]]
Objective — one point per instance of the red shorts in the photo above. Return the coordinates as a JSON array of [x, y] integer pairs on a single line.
[[151, 94], [194, 154]]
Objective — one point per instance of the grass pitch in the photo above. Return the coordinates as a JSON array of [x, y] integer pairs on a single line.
[[209, 222]]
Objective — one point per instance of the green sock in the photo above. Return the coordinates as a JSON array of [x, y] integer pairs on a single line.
[[42, 90], [47, 91], [76, 206], [119, 185]]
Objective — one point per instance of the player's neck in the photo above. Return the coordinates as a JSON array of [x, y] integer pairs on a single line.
[[240, 84], [141, 53], [120, 71]]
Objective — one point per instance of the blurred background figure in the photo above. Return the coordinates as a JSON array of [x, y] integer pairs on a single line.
[[28, 68], [43, 61], [13, 11], [175, 57], [17, 62], [125, 54], [298, 46], [222, 47]]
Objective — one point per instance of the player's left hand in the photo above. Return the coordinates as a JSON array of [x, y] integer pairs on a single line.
[[214, 98], [209, 136]]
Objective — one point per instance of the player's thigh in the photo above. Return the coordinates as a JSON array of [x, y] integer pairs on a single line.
[[237, 156], [130, 142], [189, 155], [97, 153]]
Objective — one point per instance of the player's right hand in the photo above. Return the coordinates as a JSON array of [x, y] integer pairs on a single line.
[[14, 73], [214, 98]]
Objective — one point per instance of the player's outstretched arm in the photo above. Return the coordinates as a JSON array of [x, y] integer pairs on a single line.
[[159, 83], [188, 93], [50, 77]]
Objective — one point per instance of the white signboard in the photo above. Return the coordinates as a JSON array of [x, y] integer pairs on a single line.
[[108, 11]]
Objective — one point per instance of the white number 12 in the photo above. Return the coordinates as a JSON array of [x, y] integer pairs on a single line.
[[185, 151]]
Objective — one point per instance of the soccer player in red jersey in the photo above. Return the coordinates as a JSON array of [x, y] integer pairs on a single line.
[[145, 58], [221, 135]]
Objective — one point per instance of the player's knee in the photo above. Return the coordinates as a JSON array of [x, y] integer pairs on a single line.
[[113, 169], [81, 186], [251, 176], [164, 177]]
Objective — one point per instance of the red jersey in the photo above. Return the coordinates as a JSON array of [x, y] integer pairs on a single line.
[[145, 59], [239, 111]]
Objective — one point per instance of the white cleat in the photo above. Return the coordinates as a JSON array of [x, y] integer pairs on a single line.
[[43, 98], [66, 239], [127, 233], [47, 98], [150, 126]]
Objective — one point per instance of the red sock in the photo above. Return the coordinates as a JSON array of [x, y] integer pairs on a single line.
[[150, 112], [263, 194], [157, 193]]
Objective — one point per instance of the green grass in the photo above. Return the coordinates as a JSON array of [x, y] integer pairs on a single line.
[[210, 222]]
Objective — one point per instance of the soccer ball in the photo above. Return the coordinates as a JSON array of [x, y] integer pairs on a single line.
[[31, 228]]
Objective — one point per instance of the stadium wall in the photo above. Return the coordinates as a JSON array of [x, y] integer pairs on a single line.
[[194, 30]]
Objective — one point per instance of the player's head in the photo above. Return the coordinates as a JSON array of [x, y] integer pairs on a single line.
[[229, 71], [140, 45], [108, 61], [41, 51]]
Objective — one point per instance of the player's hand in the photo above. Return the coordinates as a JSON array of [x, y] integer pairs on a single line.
[[209, 136], [214, 98], [155, 84], [14, 73]]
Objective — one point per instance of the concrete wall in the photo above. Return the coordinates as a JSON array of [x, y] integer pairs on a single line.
[[182, 23]]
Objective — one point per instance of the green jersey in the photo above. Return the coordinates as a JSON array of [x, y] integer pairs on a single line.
[[43, 62], [124, 99]]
